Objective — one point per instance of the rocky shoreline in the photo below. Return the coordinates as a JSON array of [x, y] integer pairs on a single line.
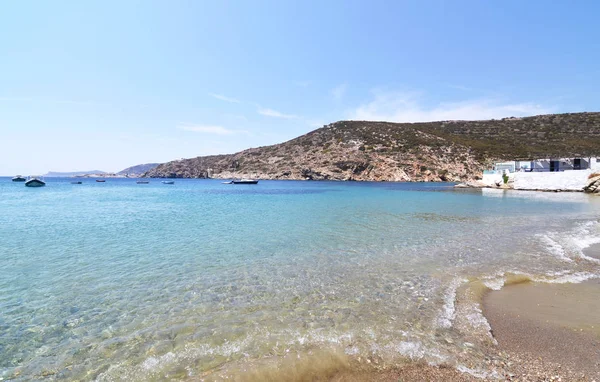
[[592, 186]]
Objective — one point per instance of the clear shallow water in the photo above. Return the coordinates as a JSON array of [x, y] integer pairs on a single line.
[[124, 281]]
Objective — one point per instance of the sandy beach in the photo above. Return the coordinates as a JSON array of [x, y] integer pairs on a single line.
[[548, 330], [545, 332]]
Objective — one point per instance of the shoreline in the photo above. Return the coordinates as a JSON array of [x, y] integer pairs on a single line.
[[543, 332], [547, 330], [510, 187]]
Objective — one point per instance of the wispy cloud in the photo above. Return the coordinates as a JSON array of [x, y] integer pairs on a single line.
[[210, 129], [275, 114], [406, 107], [339, 91], [224, 98]]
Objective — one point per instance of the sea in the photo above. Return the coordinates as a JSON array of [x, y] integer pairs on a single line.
[[202, 280]]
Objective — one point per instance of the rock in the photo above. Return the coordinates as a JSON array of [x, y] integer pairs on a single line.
[[593, 183], [475, 184]]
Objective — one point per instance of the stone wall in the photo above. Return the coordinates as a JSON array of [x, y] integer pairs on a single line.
[[552, 181]]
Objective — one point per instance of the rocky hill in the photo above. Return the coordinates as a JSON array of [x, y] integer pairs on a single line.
[[384, 151], [138, 169]]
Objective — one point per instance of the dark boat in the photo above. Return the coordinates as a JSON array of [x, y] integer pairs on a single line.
[[100, 180], [18, 178], [244, 181], [78, 182], [34, 181], [143, 182]]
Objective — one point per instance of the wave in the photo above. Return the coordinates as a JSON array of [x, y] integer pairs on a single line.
[[458, 335]]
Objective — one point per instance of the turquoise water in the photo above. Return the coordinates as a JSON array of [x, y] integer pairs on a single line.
[[125, 281]]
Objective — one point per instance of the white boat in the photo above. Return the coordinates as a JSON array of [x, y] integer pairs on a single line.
[[168, 182], [35, 181], [18, 178]]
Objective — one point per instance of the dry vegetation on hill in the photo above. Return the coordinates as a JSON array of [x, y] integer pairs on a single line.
[[384, 151]]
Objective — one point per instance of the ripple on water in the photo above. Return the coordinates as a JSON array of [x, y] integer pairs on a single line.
[[120, 281]]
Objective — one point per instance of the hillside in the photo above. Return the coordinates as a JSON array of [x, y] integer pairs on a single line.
[[138, 169], [56, 174], [384, 151]]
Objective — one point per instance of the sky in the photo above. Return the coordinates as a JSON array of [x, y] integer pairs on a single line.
[[103, 85]]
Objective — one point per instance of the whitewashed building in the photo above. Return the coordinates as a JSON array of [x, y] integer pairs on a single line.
[[549, 174]]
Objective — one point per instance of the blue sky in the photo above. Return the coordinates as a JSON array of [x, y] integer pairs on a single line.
[[104, 85]]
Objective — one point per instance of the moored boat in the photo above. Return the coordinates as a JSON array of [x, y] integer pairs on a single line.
[[76, 182], [143, 182], [35, 181], [100, 180], [244, 181], [168, 182], [18, 178]]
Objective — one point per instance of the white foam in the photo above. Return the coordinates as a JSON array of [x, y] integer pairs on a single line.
[[449, 309], [494, 283], [412, 350], [416, 350], [315, 336], [477, 320], [152, 366], [582, 237], [482, 374], [555, 248], [574, 278], [561, 277]]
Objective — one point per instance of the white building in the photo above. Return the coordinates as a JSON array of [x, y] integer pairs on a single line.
[[549, 174], [548, 164]]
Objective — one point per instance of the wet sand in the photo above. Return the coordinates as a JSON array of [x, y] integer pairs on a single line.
[[545, 332], [548, 330], [329, 366]]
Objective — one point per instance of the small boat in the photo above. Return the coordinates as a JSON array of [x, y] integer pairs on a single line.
[[244, 181], [35, 181], [77, 182], [18, 178], [100, 180], [230, 182], [143, 182], [168, 182]]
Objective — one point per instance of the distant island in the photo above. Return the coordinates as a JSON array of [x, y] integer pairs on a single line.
[[385, 151], [138, 170], [132, 172], [56, 174]]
